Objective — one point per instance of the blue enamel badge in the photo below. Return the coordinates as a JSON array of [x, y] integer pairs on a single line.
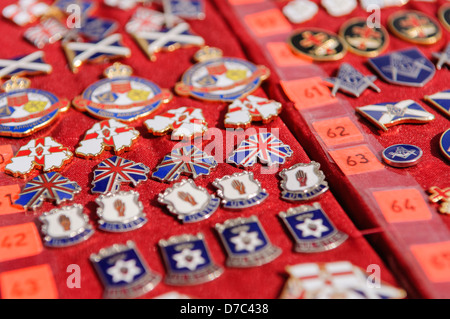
[[441, 100], [444, 143], [402, 155]]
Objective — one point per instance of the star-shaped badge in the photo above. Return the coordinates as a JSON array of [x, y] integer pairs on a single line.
[[443, 57]]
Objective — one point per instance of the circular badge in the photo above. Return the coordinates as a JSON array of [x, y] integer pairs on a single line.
[[402, 155], [444, 15], [318, 44], [362, 39], [415, 27], [444, 143]]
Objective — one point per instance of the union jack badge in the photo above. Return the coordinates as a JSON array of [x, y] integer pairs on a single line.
[[107, 134], [440, 100], [311, 229], [25, 11], [263, 146], [24, 111], [444, 144], [187, 160], [443, 57], [302, 182], [120, 212], [46, 32], [242, 112], [65, 226], [44, 153], [116, 170], [217, 78], [49, 186], [121, 96], [385, 115], [188, 9], [338, 8], [188, 261], [147, 20], [415, 27], [189, 202], [240, 190], [31, 64], [123, 271], [246, 242], [122, 4], [299, 11], [184, 122], [402, 155], [406, 67]]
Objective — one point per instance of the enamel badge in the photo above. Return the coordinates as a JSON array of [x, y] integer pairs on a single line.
[[123, 271], [385, 115], [122, 4], [415, 27], [246, 242], [184, 122], [442, 196], [311, 229], [186, 9], [263, 146], [31, 64], [48, 31], [189, 202], [116, 170], [188, 160], [120, 212], [339, 8], [242, 112], [317, 44], [444, 144], [406, 67], [441, 100], [41, 153], [240, 190], [121, 96], [49, 186], [443, 57], [146, 20], [65, 226], [24, 111], [104, 135], [402, 155], [217, 78], [25, 11], [444, 15], [302, 182], [188, 261], [299, 11]]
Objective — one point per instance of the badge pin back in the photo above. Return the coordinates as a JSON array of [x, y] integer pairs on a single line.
[[188, 260], [123, 271], [441, 100], [65, 226], [402, 155], [312, 229], [121, 96], [188, 202], [246, 242], [240, 190], [444, 144], [444, 15], [218, 78]]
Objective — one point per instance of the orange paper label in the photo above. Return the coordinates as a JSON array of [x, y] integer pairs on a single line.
[[338, 131], [268, 23], [6, 153], [306, 93], [283, 56], [35, 282], [434, 259], [402, 205], [8, 194], [19, 241], [356, 160]]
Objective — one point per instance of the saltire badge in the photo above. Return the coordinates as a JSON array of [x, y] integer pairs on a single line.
[[217, 78], [123, 271], [362, 39], [443, 57], [189, 202], [30, 64], [120, 212], [263, 146], [187, 9], [415, 27], [402, 155], [242, 112], [302, 182], [25, 11], [46, 32], [440, 100], [121, 96], [184, 122], [116, 170], [311, 229], [87, 7], [24, 111], [188, 261], [95, 28], [240, 190], [65, 226], [385, 115], [246, 242], [188, 160], [317, 44], [49, 186], [444, 15], [107, 134], [406, 67], [444, 144], [43, 153]]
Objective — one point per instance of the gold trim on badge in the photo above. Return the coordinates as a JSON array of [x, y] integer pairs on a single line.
[[441, 16]]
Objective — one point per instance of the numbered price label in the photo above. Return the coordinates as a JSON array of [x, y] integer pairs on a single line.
[[19, 241], [338, 131], [402, 205], [35, 282], [8, 194], [266, 23], [356, 160], [6, 153], [307, 93], [434, 259], [283, 56]]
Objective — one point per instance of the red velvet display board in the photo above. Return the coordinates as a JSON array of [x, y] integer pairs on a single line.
[[222, 28]]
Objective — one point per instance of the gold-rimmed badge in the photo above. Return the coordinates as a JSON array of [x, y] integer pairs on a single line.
[[444, 15], [415, 27], [362, 39], [318, 44]]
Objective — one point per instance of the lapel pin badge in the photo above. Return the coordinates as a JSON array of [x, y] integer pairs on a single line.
[[443, 57], [442, 196], [30, 64], [186, 9], [48, 31], [444, 144], [339, 8], [25, 11], [299, 11], [444, 15], [147, 20], [441, 100], [414, 27], [402, 155]]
